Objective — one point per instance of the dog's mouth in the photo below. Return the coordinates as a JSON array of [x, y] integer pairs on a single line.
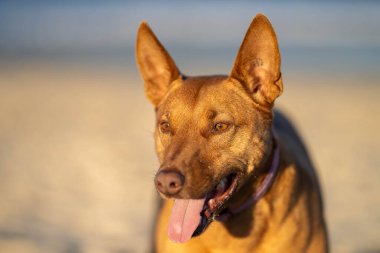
[[215, 201], [191, 217]]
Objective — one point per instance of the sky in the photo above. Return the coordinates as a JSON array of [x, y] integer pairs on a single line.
[[334, 36], [86, 26]]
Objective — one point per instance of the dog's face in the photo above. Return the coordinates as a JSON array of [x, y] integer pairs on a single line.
[[211, 132], [209, 129]]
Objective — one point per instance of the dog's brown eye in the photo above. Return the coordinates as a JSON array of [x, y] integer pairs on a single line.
[[164, 127], [220, 127]]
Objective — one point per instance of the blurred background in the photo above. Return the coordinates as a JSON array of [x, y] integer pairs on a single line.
[[76, 150]]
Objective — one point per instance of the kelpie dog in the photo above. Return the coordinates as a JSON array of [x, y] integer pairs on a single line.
[[235, 175]]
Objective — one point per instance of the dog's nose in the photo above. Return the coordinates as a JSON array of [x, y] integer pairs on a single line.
[[169, 181]]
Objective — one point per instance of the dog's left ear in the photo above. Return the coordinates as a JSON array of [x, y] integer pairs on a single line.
[[156, 66], [257, 65]]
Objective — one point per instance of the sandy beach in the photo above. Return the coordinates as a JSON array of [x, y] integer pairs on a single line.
[[77, 157]]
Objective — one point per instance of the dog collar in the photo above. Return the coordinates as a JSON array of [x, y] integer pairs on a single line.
[[263, 188]]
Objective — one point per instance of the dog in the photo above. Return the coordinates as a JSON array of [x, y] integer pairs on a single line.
[[234, 173]]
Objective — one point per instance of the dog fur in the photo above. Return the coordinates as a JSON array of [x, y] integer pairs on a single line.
[[210, 126]]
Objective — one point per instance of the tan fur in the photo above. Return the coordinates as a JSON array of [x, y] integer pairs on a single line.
[[289, 218]]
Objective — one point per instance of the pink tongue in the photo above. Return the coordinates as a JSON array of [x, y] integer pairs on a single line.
[[184, 219]]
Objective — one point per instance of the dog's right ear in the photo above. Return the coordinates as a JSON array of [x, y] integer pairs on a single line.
[[157, 68]]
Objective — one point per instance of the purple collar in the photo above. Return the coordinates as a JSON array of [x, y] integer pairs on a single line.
[[262, 189]]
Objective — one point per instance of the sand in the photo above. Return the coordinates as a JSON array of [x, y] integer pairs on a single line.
[[77, 157]]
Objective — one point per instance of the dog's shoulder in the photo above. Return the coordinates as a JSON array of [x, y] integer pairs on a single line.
[[293, 149]]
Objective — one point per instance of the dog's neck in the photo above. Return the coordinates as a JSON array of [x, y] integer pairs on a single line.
[[261, 183]]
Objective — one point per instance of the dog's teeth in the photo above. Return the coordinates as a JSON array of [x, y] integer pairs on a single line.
[[222, 185], [211, 203]]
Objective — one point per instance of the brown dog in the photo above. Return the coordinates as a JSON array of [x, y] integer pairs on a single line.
[[226, 157]]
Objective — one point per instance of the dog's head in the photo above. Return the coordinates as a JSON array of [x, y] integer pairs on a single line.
[[212, 132]]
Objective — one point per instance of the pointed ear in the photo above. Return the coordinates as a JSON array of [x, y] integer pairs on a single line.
[[157, 68], [257, 65]]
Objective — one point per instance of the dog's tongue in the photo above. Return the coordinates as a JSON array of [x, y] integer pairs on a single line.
[[185, 218]]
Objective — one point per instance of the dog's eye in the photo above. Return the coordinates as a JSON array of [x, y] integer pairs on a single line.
[[164, 127], [220, 127]]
